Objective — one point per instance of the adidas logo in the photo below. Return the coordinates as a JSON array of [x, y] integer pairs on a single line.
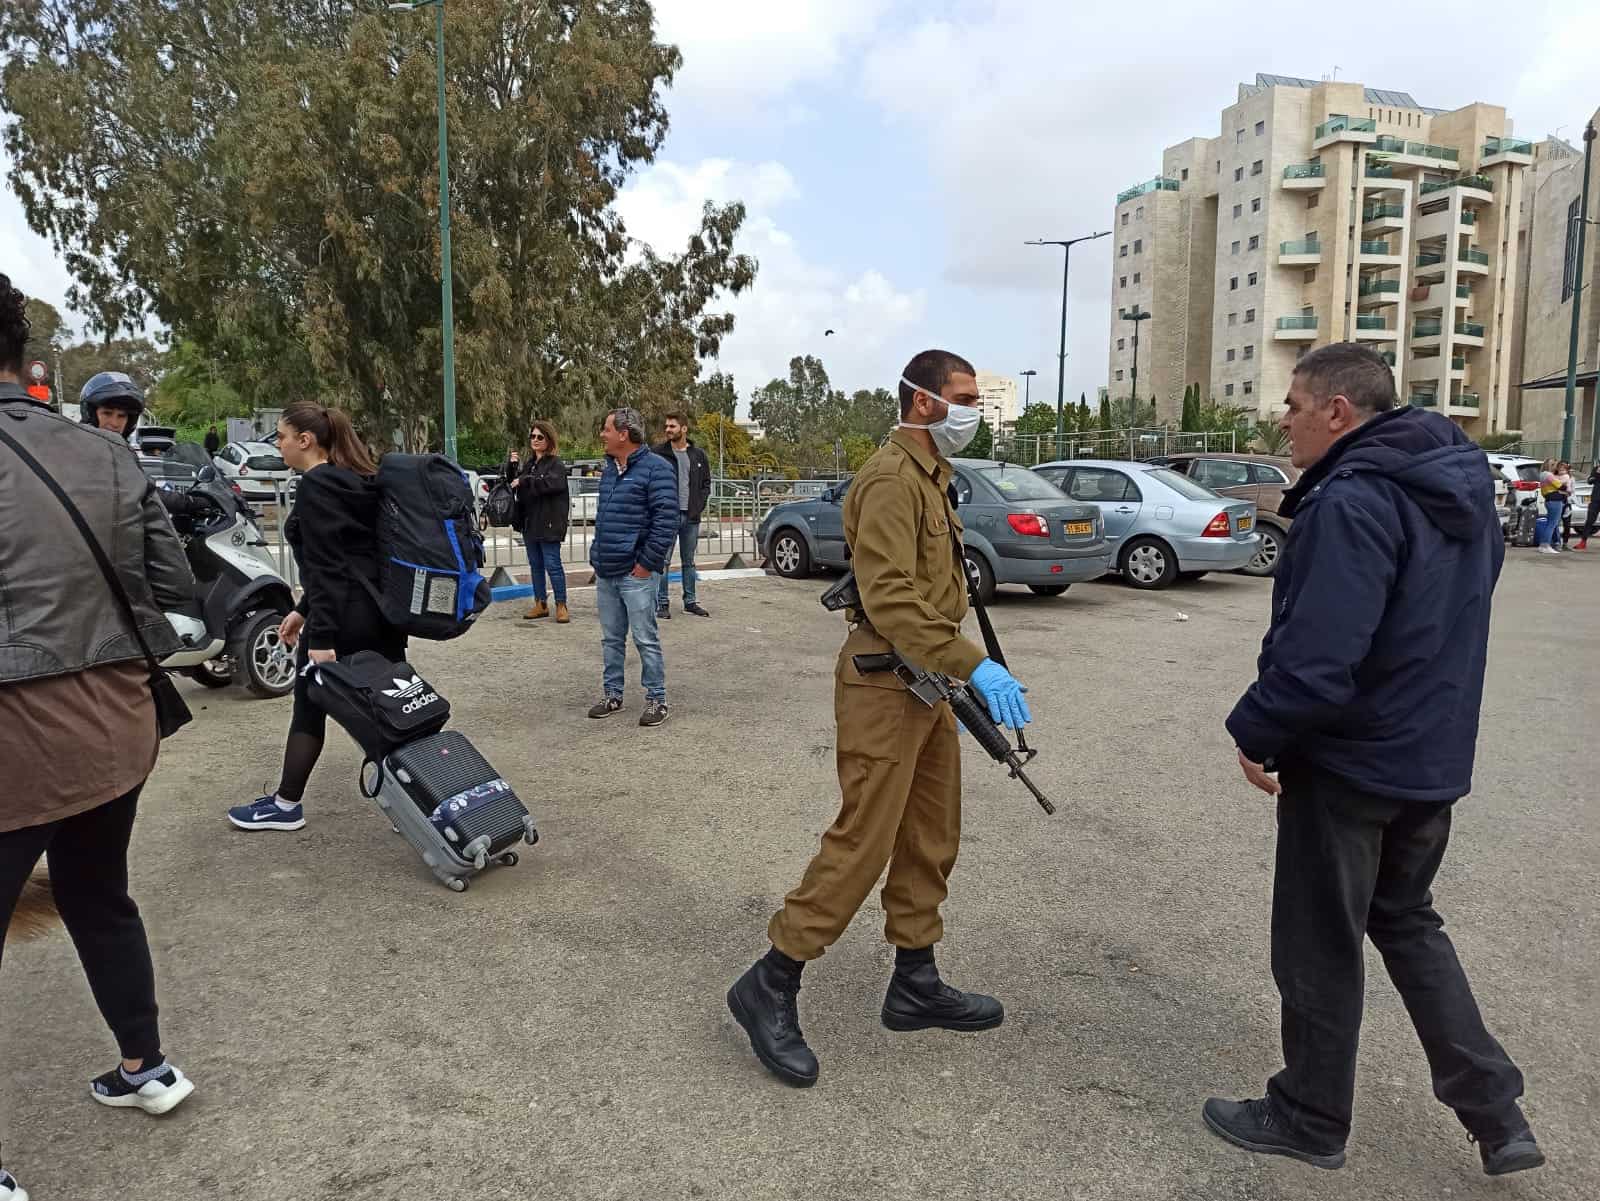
[[411, 688]]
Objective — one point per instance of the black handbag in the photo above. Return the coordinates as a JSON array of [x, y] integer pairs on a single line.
[[172, 713]]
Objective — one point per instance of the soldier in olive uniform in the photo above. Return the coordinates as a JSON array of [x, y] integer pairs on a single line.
[[899, 762]]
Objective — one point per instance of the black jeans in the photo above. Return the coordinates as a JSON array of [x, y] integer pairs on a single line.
[[1352, 864], [88, 857]]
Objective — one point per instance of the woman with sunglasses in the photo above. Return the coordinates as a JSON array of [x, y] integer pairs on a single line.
[[543, 507]]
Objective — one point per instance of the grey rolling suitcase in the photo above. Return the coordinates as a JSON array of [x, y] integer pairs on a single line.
[[455, 810]]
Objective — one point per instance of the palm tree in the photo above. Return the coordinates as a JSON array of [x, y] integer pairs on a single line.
[[1270, 439]]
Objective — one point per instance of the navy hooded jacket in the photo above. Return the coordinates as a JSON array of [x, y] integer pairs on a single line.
[[1372, 669], [637, 518]]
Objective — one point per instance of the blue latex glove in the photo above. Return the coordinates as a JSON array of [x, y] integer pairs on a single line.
[[1000, 688]]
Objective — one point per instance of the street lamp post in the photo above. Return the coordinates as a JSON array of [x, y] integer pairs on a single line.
[[445, 268], [1135, 315], [1061, 357], [1027, 386], [1568, 426]]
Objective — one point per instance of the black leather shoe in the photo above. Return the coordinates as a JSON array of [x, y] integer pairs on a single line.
[[1516, 1154], [918, 1000], [1256, 1126], [697, 609], [663, 613], [763, 1001]]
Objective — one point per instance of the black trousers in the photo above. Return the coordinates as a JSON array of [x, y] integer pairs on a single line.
[[88, 857], [1351, 864]]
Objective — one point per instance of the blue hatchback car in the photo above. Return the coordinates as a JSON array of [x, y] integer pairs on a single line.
[[1020, 529]]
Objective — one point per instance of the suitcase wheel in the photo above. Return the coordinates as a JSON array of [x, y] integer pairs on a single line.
[[457, 884], [509, 859]]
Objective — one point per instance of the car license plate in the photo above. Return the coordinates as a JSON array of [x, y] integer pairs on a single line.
[[1246, 523], [1080, 527]]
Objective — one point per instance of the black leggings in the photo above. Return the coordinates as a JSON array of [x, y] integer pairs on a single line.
[[88, 857], [308, 723]]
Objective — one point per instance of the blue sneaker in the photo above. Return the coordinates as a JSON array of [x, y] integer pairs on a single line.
[[264, 813]]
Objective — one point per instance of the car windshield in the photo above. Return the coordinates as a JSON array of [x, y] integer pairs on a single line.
[[1019, 483], [266, 463], [1181, 484]]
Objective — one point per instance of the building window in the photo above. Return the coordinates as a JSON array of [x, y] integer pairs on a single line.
[[1139, 212], [1235, 248], [1255, 167], [1569, 267], [1238, 211], [1122, 251], [1124, 218], [1311, 200], [1249, 316], [1136, 276], [1310, 276], [1238, 174], [1228, 390], [1250, 280], [1119, 373], [1138, 246], [1233, 319], [1219, 166], [1122, 281], [1261, 128], [1250, 351], [1255, 241], [1233, 283], [1249, 387], [1255, 205], [1229, 355], [1122, 343], [1183, 175], [1238, 138]]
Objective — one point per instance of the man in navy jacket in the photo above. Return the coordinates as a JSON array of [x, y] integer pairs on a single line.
[[634, 527], [1363, 722]]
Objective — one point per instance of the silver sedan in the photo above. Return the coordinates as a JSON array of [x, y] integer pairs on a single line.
[[1159, 525]]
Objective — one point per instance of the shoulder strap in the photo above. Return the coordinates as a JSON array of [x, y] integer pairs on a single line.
[[109, 572], [991, 642]]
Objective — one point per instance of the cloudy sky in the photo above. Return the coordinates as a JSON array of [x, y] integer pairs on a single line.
[[895, 154]]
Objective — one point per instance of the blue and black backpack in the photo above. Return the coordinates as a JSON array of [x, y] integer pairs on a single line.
[[429, 583]]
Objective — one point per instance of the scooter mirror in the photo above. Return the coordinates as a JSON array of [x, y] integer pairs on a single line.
[[206, 474]]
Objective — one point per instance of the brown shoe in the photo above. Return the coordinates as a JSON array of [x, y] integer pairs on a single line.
[[540, 609], [562, 615]]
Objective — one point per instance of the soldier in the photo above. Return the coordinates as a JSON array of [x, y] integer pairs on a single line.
[[899, 762]]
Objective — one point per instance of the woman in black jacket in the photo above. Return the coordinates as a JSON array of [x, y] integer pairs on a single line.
[[543, 506], [333, 531]]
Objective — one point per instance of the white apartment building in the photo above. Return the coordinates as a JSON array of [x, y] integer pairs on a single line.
[[997, 397], [1325, 212]]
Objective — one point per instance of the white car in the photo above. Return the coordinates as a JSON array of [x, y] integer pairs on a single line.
[[1514, 476], [256, 467]]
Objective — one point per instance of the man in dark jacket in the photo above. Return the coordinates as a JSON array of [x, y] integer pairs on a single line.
[[692, 470], [634, 524], [1366, 708]]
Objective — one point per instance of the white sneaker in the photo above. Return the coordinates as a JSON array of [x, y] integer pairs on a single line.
[[155, 1097], [1548, 550], [10, 1190]]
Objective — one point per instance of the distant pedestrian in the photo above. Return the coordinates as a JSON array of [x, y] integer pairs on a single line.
[[634, 524], [543, 508], [693, 471], [78, 733], [1591, 520], [1564, 478], [1366, 708], [1547, 531], [213, 442]]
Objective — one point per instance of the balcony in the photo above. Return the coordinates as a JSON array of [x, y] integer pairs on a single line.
[[1463, 291], [1370, 327], [1466, 400], [1426, 328], [1302, 176], [1469, 333], [1390, 145], [1506, 150], [1374, 291], [1305, 253], [1468, 217], [1159, 184], [1340, 128], [1475, 261], [1379, 170], [1476, 188], [1425, 400], [1430, 265], [1296, 329], [1388, 215], [1387, 356]]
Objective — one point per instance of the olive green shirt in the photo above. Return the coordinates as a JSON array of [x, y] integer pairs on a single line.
[[898, 523]]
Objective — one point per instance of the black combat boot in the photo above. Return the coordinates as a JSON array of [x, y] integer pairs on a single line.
[[1256, 1126], [763, 1000], [919, 1000], [1515, 1154]]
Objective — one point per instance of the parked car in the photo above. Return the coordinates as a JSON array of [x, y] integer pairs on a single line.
[[1019, 530], [1160, 524], [153, 439], [1515, 477], [256, 467], [1260, 479]]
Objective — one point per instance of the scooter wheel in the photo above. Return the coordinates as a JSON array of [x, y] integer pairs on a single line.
[[457, 884]]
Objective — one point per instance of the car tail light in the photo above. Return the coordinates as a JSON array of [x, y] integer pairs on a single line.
[[1030, 524], [1219, 527], [1526, 485], [237, 491]]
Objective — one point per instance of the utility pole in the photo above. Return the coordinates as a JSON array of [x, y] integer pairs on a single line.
[[1568, 427], [1061, 357]]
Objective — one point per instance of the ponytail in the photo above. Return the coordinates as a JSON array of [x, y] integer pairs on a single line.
[[333, 433]]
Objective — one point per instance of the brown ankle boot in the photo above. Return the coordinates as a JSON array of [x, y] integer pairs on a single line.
[[562, 616], [540, 609]]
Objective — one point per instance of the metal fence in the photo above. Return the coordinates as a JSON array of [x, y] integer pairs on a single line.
[[1136, 443], [1548, 450]]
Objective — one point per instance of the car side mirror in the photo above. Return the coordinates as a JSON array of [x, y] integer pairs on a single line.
[[206, 474]]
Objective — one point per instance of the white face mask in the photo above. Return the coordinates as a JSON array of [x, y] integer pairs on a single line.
[[954, 430]]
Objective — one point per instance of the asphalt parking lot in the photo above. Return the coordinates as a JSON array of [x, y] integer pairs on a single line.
[[358, 1032]]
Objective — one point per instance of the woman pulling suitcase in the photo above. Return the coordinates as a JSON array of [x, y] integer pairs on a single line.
[[333, 532]]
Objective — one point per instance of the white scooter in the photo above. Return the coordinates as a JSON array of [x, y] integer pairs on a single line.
[[240, 599]]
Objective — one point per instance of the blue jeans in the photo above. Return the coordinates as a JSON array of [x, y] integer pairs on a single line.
[[688, 537], [545, 558], [627, 605], [1548, 531]]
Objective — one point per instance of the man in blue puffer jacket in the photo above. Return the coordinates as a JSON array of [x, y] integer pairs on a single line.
[[634, 528], [1366, 708]]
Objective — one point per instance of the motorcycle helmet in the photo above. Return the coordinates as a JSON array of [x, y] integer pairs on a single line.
[[112, 390]]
